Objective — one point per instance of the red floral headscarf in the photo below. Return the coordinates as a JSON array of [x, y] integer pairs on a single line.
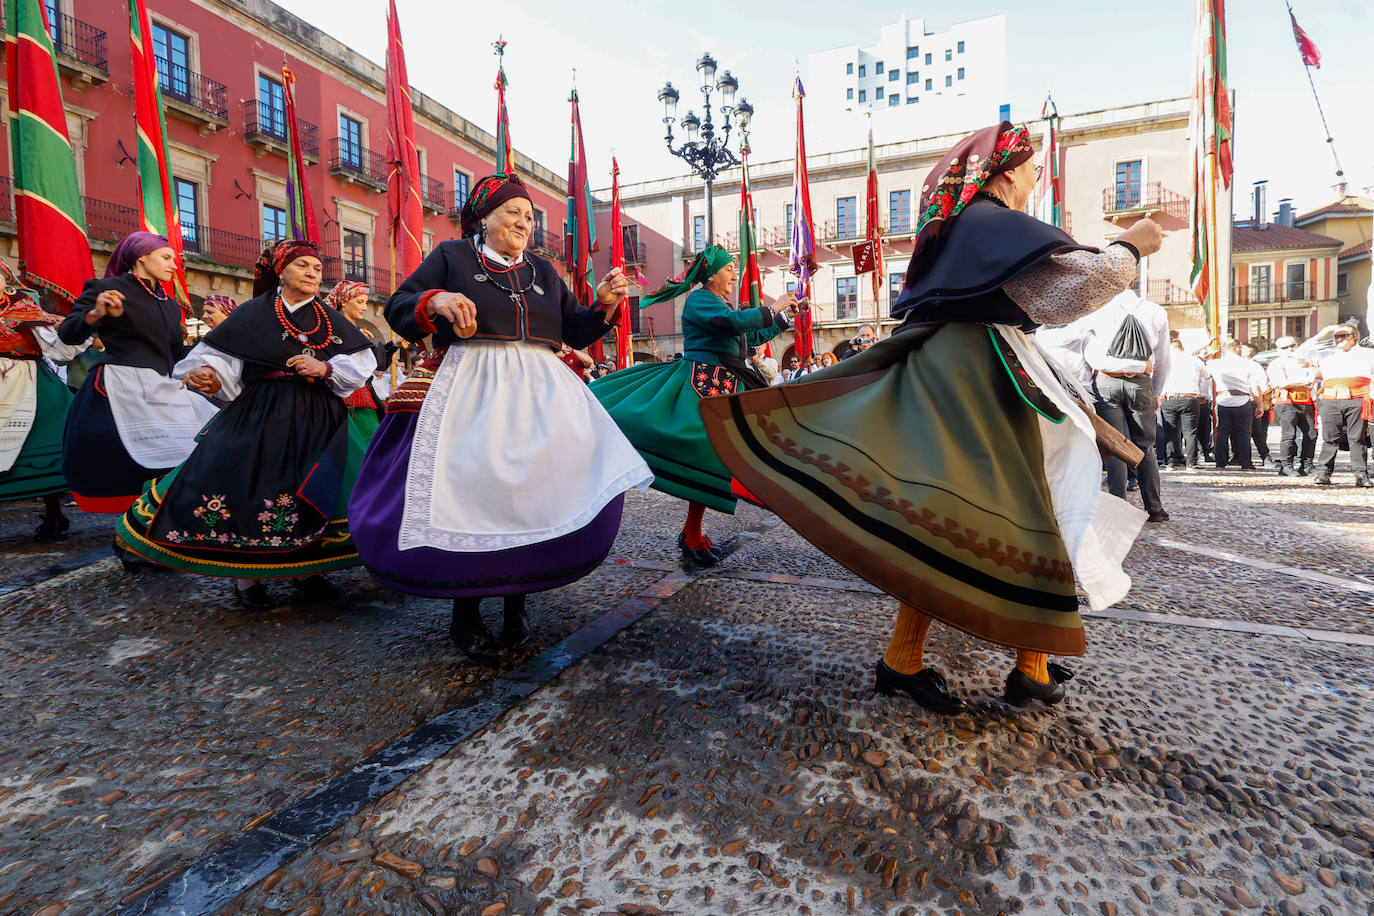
[[267, 273], [960, 175], [344, 291]]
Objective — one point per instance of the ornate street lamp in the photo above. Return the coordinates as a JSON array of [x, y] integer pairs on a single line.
[[706, 152]]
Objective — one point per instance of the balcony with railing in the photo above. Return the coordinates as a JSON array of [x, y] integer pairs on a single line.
[[354, 163], [81, 50], [547, 243], [7, 201], [377, 279], [220, 246], [264, 127], [433, 194], [193, 97], [634, 254], [1270, 294], [1125, 202], [455, 212]]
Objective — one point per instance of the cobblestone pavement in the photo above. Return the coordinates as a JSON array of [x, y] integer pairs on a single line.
[[724, 754]]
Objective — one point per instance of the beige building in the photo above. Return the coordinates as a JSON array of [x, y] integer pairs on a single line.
[[1119, 165], [1284, 282], [1350, 219]]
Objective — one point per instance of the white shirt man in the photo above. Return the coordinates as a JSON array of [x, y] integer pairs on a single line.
[[1291, 381], [1345, 374], [1186, 376], [1238, 380], [1098, 329]]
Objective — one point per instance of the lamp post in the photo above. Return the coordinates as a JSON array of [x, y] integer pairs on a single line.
[[706, 152]]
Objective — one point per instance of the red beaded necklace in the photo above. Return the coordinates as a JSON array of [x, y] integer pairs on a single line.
[[152, 286], [321, 321]]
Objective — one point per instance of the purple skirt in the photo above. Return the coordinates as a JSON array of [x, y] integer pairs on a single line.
[[374, 518]]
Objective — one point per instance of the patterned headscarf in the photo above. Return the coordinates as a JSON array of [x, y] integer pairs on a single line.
[[346, 290], [224, 303], [960, 175], [701, 269], [20, 311], [132, 247], [488, 194], [267, 273]]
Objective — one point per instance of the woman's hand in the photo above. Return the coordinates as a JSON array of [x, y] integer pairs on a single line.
[[309, 367], [457, 309], [1145, 235], [611, 290], [788, 305], [203, 380], [110, 302]]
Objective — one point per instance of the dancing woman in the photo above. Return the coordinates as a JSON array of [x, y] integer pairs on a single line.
[[655, 404], [33, 404], [265, 493], [349, 297], [495, 472], [131, 421], [948, 464]]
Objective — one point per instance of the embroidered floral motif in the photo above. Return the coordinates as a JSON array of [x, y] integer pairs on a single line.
[[279, 515], [212, 511], [711, 381], [1008, 555], [961, 182]]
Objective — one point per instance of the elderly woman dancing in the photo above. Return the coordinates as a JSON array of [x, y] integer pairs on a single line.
[[131, 421], [656, 404], [948, 464], [265, 493], [495, 472]]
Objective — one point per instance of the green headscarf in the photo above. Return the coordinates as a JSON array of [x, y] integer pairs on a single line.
[[702, 268]]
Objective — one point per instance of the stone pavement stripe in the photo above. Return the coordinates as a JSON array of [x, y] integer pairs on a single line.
[[39, 576], [1315, 577], [216, 879], [1181, 620]]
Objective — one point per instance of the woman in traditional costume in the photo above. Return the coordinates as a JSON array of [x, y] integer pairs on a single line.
[[130, 421], [349, 297], [948, 464], [655, 404], [216, 309], [494, 472], [265, 494], [33, 405]]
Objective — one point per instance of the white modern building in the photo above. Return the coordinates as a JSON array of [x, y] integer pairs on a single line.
[[914, 82]]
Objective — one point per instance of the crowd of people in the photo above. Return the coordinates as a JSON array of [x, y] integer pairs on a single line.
[[957, 464]]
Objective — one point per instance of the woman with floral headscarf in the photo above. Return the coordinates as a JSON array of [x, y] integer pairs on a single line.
[[265, 494], [33, 404], [656, 403], [364, 406], [131, 420], [948, 464], [495, 472]]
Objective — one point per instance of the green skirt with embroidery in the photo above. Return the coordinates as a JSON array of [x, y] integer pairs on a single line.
[[656, 407], [919, 464], [263, 496]]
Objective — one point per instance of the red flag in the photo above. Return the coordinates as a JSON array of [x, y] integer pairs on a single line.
[[581, 238], [157, 204], [300, 210], [52, 234], [869, 256], [622, 324], [403, 160], [1306, 46]]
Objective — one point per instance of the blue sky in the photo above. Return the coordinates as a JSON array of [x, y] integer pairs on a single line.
[[1090, 54]]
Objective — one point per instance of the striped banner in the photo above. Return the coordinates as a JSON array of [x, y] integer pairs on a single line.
[[1210, 137], [300, 210], [580, 242], [505, 159], [53, 249], [1051, 188], [157, 202], [623, 358]]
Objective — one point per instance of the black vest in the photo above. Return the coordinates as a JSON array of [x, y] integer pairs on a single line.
[[148, 334], [986, 245], [254, 334]]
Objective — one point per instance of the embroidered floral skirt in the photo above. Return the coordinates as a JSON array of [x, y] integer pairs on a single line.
[[37, 469], [656, 406], [263, 496], [937, 466]]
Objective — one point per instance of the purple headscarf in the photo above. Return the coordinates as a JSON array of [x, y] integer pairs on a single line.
[[132, 247]]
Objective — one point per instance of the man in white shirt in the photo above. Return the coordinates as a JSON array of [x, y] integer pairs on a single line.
[[1345, 376], [1124, 386], [1290, 379], [1238, 383], [1186, 381]]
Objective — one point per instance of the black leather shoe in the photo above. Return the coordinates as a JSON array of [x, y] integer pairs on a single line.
[[52, 529], [1021, 689], [254, 597], [131, 561], [470, 634], [315, 588], [706, 557], [1160, 516], [515, 633], [1058, 673], [927, 687]]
